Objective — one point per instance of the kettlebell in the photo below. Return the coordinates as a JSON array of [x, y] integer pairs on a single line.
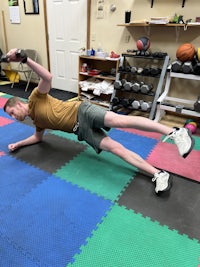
[[197, 105]]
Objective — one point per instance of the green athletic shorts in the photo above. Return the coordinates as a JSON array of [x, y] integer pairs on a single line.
[[90, 124]]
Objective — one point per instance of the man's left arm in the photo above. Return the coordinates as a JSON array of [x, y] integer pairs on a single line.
[[44, 85]]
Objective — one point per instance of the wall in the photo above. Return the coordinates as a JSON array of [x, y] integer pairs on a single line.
[[30, 33]]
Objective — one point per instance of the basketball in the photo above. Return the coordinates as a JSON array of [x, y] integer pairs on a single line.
[[185, 52], [143, 43]]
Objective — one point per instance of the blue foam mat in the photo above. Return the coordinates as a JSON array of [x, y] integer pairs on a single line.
[[11, 256], [17, 179], [14, 132], [53, 221], [139, 144]]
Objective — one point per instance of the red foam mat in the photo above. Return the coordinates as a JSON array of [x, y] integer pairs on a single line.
[[143, 133], [165, 156]]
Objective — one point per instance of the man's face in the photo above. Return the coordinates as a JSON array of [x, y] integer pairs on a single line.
[[17, 112]]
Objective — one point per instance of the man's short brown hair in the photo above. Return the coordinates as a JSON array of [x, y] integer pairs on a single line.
[[12, 102]]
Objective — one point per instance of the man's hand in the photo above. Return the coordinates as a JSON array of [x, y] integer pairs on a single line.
[[13, 147], [11, 55]]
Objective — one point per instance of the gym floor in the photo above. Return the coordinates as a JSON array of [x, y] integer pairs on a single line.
[[64, 205]]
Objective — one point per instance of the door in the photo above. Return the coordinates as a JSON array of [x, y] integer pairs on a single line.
[[67, 33]]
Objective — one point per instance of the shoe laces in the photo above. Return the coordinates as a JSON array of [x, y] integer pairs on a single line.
[[157, 175], [173, 136]]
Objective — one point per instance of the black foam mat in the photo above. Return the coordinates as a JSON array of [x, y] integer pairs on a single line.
[[178, 209], [52, 153]]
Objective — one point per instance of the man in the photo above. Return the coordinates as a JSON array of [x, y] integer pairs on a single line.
[[88, 122]]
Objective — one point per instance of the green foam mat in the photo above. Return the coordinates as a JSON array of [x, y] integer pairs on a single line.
[[130, 240], [104, 174], [69, 136]]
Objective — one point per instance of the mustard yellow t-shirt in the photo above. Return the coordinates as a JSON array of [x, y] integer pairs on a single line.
[[48, 112]]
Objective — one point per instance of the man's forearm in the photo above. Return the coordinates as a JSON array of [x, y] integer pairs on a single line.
[[33, 139]]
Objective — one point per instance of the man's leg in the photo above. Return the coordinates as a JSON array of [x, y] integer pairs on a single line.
[[161, 178], [182, 137]]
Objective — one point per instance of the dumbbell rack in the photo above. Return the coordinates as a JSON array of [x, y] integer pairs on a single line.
[[161, 62], [173, 104]]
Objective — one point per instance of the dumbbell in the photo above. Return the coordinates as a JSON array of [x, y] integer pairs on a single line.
[[115, 101], [119, 84], [187, 67], [128, 68], [196, 68], [135, 104], [146, 88], [155, 71], [146, 71], [136, 86], [176, 66], [140, 70], [145, 106], [127, 86], [125, 102], [197, 105], [134, 70]]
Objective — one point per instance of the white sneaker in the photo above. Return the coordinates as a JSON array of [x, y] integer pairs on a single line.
[[163, 181], [183, 139]]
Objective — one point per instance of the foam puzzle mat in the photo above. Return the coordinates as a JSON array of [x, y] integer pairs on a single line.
[[63, 205]]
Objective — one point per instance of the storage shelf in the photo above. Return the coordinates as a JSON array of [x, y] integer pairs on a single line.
[[157, 25], [112, 78]]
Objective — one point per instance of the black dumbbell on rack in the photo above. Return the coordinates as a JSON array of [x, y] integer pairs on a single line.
[[187, 67], [126, 102], [176, 66]]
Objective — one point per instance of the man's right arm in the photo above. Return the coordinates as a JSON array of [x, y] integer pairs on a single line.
[[33, 139]]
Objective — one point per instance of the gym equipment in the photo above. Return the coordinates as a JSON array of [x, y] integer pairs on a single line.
[[127, 86], [136, 86], [185, 52], [115, 101], [146, 88], [176, 66], [155, 71], [125, 102], [136, 104], [191, 127], [196, 67], [197, 105], [146, 71], [140, 70], [143, 43], [159, 54], [145, 106], [133, 69], [119, 84], [128, 68], [187, 67]]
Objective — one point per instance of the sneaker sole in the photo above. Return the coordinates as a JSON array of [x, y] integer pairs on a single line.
[[167, 188], [192, 145]]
